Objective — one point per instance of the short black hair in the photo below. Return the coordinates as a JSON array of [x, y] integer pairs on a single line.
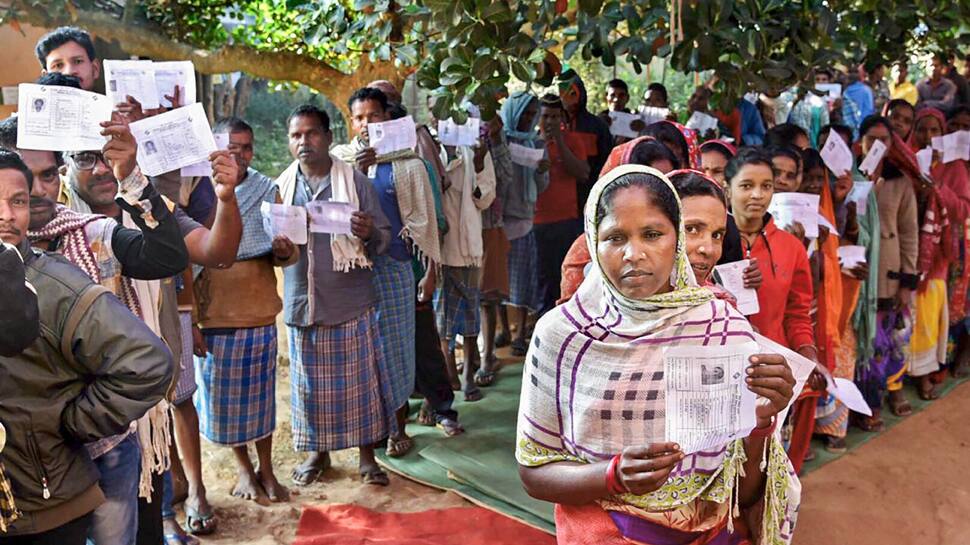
[[396, 111], [827, 71], [310, 110], [661, 195], [60, 36], [719, 147], [56, 79], [618, 84], [897, 102], [550, 100], [747, 155], [871, 66], [693, 184], [368, 93], [872, 121], [784, 134], [233, 124], [668, 132], [9, 159], [648, 151], [957, 110], [844, 131], [658, 88], [790, 152], [811, 159], [8, 139]]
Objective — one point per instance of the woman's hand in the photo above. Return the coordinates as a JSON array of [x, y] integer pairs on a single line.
[[752, 275], [644, 469], [771, 379]]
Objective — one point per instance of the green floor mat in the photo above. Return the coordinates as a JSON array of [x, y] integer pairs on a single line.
[[479, 464], [856, 437]]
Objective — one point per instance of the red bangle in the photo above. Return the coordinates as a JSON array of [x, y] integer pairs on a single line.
[[766, 431], [613, 484]]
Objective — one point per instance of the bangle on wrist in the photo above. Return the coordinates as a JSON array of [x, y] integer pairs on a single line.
[[764, 431], [613, 484]]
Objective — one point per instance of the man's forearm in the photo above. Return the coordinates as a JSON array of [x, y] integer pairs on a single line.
[[221, 243], [150, 252]]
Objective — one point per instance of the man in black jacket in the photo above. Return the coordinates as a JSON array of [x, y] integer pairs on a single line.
[[94, 369]]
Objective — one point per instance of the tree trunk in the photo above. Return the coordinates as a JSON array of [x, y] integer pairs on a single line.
[[244, 90]]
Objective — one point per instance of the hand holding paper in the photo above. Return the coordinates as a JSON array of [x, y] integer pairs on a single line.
[[731, 277], [526, 156], [836, 154], [620, 124], [330, 217], [174, 139], [60, 118], [390, 136], [453, 134], [284, 220], [873, 158]]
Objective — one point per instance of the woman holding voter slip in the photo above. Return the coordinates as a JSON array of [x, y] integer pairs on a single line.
[[618, 463], [785, 295]]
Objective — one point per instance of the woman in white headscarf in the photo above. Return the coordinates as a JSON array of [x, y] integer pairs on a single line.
[[592, 418]]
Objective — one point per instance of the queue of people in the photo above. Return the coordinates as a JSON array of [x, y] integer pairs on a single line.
[[147, 306]]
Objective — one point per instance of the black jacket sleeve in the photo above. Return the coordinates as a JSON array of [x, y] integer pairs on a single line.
[[129, 368], [19, 324], [154, 252]]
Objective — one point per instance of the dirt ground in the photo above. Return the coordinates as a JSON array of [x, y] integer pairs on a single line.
[[908, 486]]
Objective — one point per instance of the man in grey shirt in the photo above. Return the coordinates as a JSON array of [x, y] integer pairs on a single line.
[[329, 306], [937, 91]]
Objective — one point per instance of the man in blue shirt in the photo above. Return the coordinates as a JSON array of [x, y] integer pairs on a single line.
[[860, 92]]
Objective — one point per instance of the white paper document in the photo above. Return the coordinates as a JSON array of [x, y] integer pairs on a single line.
[[937, 143], [453, 134], [956, 145], [730, 276], [131, 78], [873, 158], [390, 136], [850, 256], [60, 118], [285, 220], [836, 154], [620, 124], [925, 159], [801, 367], [174, 139], [708, 403], [526, 156], [170, 74], [701, 122], [787, 208], [824, 222], [653, 114], [330, 217], [205, 167], [859, 194]]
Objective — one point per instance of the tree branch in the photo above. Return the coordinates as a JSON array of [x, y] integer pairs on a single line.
[[142, 40]]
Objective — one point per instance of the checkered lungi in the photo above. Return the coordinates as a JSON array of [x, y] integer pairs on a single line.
[[186, 385], [394, 284], [523, 273], [456, 301], [335, 390], [237, 387]]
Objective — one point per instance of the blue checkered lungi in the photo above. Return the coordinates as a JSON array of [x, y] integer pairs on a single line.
[[335, 390], [456, 301], [394, 284], [524, 273], [236, 400]]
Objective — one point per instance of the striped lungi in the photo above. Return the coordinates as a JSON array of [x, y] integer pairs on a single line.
[[237, 385], [394, 284], [456, 301], [186, 385], [523, 273], [335, 390]]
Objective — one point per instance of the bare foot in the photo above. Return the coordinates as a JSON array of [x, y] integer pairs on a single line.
[[274, 490], [249, 488]]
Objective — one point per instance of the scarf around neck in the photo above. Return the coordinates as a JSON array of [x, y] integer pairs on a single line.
[[414, 195]]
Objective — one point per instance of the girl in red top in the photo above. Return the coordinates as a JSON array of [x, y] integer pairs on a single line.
[[785, 295]]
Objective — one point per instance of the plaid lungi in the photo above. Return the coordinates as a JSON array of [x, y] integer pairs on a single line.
[[394, 284], [237, 387], [456, 301], [335, 390], [524, 273], [186, 385]]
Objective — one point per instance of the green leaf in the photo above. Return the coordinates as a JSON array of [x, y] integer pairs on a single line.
[[523, 71]]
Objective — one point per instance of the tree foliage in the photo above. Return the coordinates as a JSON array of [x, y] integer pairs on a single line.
[[470, 49]]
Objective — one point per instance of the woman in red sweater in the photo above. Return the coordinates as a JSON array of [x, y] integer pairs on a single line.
[[785, 295]]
